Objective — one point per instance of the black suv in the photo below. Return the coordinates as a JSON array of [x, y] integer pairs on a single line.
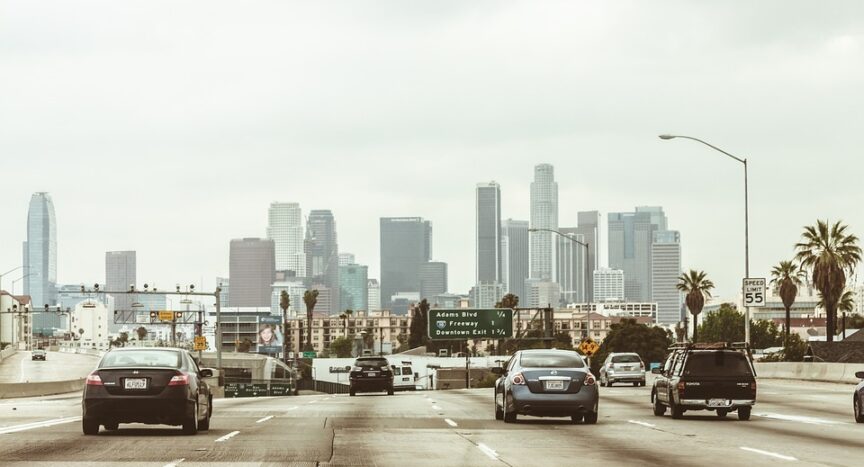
[[717, 377], [370, 374]]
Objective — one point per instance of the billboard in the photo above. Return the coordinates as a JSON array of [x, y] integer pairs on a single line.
[[270, 337]]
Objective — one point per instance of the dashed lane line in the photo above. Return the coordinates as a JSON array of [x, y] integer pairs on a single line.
[[451, 422], [227, 437], [799, 419], [174, 463], [435, 407], [645, 424], [488, 451], [769, 454], [264, 419], [42, 424]]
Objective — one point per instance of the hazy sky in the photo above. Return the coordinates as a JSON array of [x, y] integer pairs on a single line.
[[168, 127]]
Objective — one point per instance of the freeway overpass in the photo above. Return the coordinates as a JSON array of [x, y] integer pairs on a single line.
[[793, 422]]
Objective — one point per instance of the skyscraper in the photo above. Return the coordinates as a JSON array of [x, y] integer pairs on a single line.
[[433, 279], [347, 258], [589, 228], [665, 269], [608, 285], [631, 235], [406, 244], [252, 270], [40, 262], [488, 230], [285, 228], [570, 266], [322, 257], [514, 256], [544, 215], [120, 272], [354, 285], [374, 295]]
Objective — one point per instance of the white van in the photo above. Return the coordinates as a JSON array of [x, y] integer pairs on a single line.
[[403, 377]]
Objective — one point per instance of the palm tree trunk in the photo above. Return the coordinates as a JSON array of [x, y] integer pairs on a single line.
[[695, 322], [788, 324], [830, 321]]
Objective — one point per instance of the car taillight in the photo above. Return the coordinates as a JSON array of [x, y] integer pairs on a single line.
[[356, 368], [680, 388], [753, 386], [385, 368], [518, 379], [94, 380], [179, 380], [641, 365], [589, 380]]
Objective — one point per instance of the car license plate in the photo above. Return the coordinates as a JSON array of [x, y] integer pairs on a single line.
[[554, 385], [717, 403], [135, 383], [371, 373]]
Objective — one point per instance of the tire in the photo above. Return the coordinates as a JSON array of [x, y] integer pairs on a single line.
[[856, 407], [602, 381], [721, 413], [744, 413], [590, 418], [112, 426], [636, 384], [190, 425], [577, 418], [509, 417], [609, 383], [204, 425], [499, 412], [90, 426], [642, 383], [390, 391], [352, 392], [659, 408], [677, 411]]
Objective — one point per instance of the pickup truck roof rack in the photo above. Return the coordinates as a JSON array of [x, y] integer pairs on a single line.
[[710, 346]]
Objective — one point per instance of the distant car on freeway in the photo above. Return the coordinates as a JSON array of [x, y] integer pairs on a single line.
[[403, 377], [147, 385], [858, 398], [622, 367], [38, 354], [371, 374], [717, 377], [546, 383]]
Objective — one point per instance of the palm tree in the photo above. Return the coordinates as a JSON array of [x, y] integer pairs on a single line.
[[846, 304], [697, 287], [142, 333], [310, 298], [830, 253], [284, 304], [788, 275]]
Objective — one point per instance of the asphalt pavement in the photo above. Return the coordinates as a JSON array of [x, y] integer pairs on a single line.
[[793, 422], [58, 366]]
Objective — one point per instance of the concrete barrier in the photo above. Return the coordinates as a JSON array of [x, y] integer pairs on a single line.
[[8, 352], [810, 371], [13, 390]]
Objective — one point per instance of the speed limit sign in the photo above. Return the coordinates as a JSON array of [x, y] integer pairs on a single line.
[[754, 292]]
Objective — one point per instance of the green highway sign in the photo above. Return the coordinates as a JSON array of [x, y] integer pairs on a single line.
[[309, 354], [469, 323]]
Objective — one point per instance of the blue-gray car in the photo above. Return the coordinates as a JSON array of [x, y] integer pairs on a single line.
[[858, 398], [546, 383]]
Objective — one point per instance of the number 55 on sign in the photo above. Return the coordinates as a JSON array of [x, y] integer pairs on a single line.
[[754, 292]]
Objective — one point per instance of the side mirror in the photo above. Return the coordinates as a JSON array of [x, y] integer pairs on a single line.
[[206, 373], [859, 374], [657, 371], [497, 370]]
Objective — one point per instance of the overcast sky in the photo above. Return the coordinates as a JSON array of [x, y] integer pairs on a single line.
[[168, 127]]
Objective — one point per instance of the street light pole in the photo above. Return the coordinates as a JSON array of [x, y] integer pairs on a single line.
[[746, 222], [7, 272]]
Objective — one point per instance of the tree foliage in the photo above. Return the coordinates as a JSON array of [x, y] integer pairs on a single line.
[[142, 333], [787, 275], [341, 347], [417, 333], [651, 343], [697, 288], [727, 325], [310, 298]]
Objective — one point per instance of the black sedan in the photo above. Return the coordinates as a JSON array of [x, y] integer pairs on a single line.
[[546, 383], [147, 385], [370, 374], [858, 398]]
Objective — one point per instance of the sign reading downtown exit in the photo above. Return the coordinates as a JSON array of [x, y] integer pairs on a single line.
[[468, 323]]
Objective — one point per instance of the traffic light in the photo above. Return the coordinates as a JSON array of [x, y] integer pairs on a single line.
[[178, 314], [153, 315]]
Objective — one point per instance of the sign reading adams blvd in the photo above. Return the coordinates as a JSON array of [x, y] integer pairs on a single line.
[[467, 323]]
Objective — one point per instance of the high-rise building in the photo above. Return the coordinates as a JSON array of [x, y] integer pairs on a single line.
[[541, 293], [354, 285], [252, 270], [295, 289], [120, 272], [570, 265], [40, 262], [514, 256], [488, 230], [544, 215], [631, 235], [374, 295], [346, 258], [322, 257], [433, 279], [608, 285], [406, 244], [285, 228], [589, 228], [665, 270], [486, 294]]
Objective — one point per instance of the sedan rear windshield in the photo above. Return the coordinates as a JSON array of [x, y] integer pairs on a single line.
[[718, 363], [141, 358], [626, 359], [372, 363], [551, 360]]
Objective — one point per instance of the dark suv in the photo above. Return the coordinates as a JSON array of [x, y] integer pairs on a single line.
[[370, 374], [717, 377]]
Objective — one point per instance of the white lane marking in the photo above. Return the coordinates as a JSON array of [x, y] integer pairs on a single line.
[[435, 407], [228, 436], [488, 451], [264, 419], [291, 408], [450, 422], [799, 419], [30, 426], [645, 424], [770, 454], [174, 462]]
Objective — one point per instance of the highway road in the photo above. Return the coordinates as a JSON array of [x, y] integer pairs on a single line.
[[58, 366], [793, 422]]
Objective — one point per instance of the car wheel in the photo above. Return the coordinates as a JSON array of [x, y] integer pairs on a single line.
[[509, 417], [112, 426], [390, 391], [677, 411], [577, 418], [857, 408], [602, 381], [636, 384], [190, 425], [659, 408], [90, 426], [721, 413], [641, 383], [499, 412], [204, 425], [590, 418], [744, 413], [352, 392]]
